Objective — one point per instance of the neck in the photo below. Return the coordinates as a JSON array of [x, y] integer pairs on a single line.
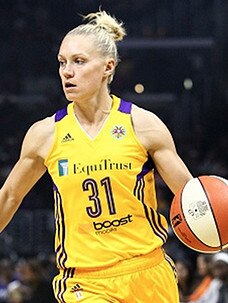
[[93, 111]]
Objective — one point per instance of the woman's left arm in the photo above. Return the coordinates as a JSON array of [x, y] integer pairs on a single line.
[[157, 139]]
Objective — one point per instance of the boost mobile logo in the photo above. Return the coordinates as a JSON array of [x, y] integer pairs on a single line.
[[109, 226], [63, 167]]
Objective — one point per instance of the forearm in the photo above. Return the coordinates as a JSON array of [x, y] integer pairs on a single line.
[[8, 206], [172, 170]]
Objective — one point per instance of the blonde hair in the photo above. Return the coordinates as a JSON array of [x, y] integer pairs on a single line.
[[107, 31]]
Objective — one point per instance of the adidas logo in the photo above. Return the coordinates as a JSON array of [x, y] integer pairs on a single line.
[[76, 287], [67, 138]]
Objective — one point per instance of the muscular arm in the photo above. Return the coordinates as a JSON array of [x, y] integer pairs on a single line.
[[26, 172], [156, 138]]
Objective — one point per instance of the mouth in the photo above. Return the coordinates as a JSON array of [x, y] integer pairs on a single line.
[[69, 85]]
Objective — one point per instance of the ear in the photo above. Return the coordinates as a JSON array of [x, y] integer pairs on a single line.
[[109, 67]]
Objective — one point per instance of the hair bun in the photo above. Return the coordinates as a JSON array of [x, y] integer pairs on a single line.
[[108, 23]]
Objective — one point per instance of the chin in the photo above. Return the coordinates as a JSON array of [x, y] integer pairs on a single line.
[[70, 97]]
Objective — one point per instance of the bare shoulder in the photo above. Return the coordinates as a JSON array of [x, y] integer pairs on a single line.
[[149, 128], [39, 137], [140, 114], [42, 127]]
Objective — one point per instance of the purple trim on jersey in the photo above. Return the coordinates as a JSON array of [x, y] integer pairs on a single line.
[[148, 166], [54, 187], [60, 228], [67, 273], [125, 107], [153, 218], [60, 114]]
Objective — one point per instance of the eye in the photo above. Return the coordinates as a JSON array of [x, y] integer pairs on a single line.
[[61, 62], [79, 61]]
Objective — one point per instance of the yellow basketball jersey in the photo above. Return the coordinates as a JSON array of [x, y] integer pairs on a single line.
[[104, 191]]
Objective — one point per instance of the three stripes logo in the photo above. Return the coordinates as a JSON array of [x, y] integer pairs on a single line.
[[77, 289], [67, 138]]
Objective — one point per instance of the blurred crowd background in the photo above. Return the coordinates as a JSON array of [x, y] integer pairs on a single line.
[[173, 62]]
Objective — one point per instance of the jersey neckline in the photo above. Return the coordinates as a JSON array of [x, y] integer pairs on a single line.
[[70, 110]]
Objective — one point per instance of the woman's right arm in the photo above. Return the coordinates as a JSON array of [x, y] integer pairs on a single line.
[[26, 172]]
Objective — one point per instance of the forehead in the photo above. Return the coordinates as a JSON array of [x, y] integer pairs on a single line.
[[77, 44]]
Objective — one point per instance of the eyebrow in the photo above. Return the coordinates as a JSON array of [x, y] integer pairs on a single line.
[[72, 56]]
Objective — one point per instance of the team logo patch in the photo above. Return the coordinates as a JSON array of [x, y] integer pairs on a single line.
[[63, 167], [118, 132]]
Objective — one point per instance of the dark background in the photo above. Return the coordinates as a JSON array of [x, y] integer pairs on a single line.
[[168, 42]]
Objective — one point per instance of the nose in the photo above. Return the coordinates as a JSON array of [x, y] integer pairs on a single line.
[[68, 71]]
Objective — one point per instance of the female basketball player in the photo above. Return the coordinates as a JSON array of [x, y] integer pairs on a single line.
[[101, 152]]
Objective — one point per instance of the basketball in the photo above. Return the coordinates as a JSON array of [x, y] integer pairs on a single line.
[[199, 214]]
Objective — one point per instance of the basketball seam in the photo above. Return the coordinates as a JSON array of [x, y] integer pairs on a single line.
[[182, 211], [217, 228]]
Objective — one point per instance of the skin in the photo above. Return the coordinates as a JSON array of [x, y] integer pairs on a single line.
[[84, 67]]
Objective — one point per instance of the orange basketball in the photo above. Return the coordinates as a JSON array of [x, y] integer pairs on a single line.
[[199, 214]]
